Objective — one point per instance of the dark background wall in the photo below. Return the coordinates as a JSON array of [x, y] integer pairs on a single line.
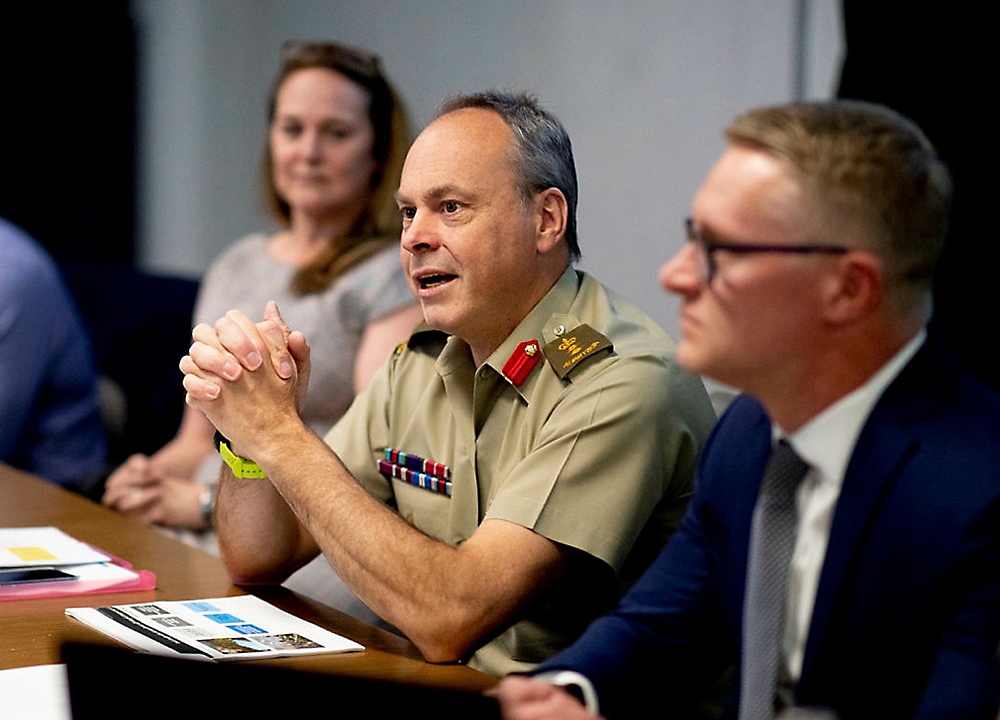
[[67, 127], [937, 63]]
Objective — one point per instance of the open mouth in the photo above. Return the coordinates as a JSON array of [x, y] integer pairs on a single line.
[[433, 280]]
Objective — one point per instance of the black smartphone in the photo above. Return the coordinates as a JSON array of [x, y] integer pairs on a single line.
[[19, 576]]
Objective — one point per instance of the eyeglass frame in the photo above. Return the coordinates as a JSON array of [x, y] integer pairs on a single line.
[[707, 248]]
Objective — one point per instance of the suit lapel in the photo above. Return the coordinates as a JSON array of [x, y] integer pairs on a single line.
[[886, 444]]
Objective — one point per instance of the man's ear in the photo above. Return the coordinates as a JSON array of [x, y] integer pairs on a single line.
[[856, 289], [551, 216]]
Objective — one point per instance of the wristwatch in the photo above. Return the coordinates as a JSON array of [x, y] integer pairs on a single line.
[[241, 466], [206, 501]]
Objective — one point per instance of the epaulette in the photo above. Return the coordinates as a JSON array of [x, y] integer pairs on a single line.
[[573, 348]]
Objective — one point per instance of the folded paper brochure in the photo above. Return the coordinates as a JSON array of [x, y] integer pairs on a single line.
[[243, 627]]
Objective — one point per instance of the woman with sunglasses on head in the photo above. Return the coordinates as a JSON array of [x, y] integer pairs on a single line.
[[336, 141]]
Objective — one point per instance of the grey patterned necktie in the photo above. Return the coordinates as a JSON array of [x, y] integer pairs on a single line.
[[771, 542]]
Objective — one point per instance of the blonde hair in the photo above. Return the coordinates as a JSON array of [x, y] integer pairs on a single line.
[[869, 164]]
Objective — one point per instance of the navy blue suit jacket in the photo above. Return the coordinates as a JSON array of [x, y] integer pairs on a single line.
[[907, 617]]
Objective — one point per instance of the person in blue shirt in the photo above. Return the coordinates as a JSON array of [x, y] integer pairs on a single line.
[[50, 421]]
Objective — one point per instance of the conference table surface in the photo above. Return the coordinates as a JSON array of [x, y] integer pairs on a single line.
[[32, 631]]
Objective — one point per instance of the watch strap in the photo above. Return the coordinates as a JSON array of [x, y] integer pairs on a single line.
[[241, 466]]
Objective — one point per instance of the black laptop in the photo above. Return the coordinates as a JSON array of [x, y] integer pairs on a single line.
[[110, 683]]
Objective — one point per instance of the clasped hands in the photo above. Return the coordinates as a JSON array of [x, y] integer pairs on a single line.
[[246, 377], [141, 489]]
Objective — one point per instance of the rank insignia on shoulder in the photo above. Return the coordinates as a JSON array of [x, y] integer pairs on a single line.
[[522, 361], [566, 352]]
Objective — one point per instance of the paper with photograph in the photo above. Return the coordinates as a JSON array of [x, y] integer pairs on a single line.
[[243, 627]]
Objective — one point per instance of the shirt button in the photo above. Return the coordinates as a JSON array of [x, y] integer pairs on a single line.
[[558, 330]]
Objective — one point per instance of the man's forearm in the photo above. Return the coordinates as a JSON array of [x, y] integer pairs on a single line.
[[445, 599], [309, 501], [259, 537], [395, 569]]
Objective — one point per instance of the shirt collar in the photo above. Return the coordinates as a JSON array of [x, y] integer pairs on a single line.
[[540, 324], [827, 441]]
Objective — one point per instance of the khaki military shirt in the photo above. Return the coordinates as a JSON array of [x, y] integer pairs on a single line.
[[595, 448]]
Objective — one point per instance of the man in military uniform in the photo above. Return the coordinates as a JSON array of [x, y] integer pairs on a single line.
[[516, 464]]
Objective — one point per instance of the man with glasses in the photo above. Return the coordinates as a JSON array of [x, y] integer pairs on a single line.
[[842, 550]]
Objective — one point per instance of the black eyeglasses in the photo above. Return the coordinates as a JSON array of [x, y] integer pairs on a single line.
[[707, 249]]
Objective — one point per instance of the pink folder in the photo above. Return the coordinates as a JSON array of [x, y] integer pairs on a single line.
[[136, 580]]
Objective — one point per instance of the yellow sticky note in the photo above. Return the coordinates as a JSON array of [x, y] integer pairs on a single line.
[[32, 554]]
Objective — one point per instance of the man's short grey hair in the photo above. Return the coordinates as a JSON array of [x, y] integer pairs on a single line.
[[544, 153]]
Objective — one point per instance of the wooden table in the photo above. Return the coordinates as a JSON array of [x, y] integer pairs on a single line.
[[32, 631]]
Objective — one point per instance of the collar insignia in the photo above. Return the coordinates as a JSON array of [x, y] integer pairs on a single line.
[[522, 361]]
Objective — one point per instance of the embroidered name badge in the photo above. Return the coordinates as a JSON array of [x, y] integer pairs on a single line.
[[415, 470], [565, 353]]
